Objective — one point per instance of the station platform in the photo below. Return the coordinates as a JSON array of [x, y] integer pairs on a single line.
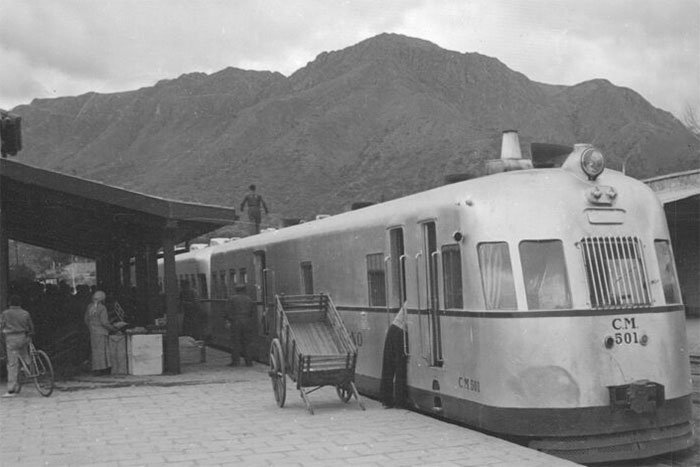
[[213, 414]]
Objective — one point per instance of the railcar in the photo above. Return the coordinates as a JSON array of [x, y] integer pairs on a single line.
[[543, 304]]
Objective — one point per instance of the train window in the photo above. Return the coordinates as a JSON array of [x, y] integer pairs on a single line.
[[232, 282], [222, 284], [452, 276], [214, 285], [244, 275], [203, 292], [497, 276], [376, 279], [544, 272], [307, 278], [615, 271], [669, 280]]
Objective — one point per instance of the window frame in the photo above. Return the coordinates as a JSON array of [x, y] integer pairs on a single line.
[[569, 299], [509, 262], [454, 249], [372, 274], [674, 272], [306, 270]]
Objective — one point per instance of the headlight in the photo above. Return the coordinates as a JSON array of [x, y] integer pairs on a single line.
[[592, 163]]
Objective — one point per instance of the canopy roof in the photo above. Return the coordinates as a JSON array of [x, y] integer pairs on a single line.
[[91, 219]]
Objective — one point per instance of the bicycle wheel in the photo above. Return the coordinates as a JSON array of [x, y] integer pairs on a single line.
[[44, 374]]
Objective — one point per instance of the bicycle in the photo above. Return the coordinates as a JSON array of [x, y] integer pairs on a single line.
[[37, 367]]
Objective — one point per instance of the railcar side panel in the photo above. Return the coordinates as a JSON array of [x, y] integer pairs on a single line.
[[587, 316]]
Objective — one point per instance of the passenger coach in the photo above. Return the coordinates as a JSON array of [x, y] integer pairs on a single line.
[[543, 303]]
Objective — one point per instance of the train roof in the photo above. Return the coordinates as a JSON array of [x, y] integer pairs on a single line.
[[522, 192]]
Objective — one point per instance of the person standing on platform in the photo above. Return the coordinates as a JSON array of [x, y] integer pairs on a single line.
[[189, 312], [240, 319], [254, 202], [17, 328], [98, 324], [393, 385]]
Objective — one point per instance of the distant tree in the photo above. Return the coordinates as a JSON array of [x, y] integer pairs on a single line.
[[691, 120]]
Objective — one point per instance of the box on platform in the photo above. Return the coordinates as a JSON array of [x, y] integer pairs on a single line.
[[145, 354]]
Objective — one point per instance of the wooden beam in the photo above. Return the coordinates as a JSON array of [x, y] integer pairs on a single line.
[[172, 339]]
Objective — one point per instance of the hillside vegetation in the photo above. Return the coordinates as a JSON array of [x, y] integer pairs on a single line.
[[389, 116]]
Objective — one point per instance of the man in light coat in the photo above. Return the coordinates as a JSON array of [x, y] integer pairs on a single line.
[[17, 328]]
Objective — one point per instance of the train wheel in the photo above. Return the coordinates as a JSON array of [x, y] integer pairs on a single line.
[[277, 372], [344, 393]]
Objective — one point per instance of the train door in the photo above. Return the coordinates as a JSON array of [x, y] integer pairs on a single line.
[[398, 265], [432, 290], [269, 321], [398, 274], [260, 298], [258, 268]]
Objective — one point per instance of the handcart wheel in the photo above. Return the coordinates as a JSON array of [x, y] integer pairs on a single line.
[[344, 393], [277, 372]]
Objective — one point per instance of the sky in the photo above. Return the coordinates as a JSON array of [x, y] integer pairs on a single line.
[[53, 48]]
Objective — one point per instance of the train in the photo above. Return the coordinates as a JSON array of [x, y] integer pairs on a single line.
[[542, 297]]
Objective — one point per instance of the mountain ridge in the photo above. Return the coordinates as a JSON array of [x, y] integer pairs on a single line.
[[388, 116]]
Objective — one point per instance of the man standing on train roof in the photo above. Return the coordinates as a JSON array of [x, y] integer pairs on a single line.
[[254, 202], [17, 328], [393, 385], [240, 320]]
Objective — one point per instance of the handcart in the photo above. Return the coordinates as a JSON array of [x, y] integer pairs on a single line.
[[313, 347]]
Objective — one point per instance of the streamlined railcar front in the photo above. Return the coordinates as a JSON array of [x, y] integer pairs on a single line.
[[580, 341]]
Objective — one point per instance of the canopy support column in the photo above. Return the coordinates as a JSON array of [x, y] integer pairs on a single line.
[[152, 290], [172, 341], [141, 285]]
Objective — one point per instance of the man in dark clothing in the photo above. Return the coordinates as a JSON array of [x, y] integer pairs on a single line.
[[17, 328], [189, 312], [240, 320], [254, 202], [393, 385]]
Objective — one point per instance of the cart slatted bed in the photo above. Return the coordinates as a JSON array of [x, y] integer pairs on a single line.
[[312, 347]]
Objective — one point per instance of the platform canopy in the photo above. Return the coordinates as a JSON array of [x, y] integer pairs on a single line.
[[91, 219], [116, 227]]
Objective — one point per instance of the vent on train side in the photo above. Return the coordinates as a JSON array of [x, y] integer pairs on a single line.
[[615, 272]]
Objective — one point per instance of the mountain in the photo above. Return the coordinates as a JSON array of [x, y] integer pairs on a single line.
[[389, 116]]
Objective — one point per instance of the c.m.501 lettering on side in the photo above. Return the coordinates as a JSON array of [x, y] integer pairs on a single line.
[[469, 384]]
